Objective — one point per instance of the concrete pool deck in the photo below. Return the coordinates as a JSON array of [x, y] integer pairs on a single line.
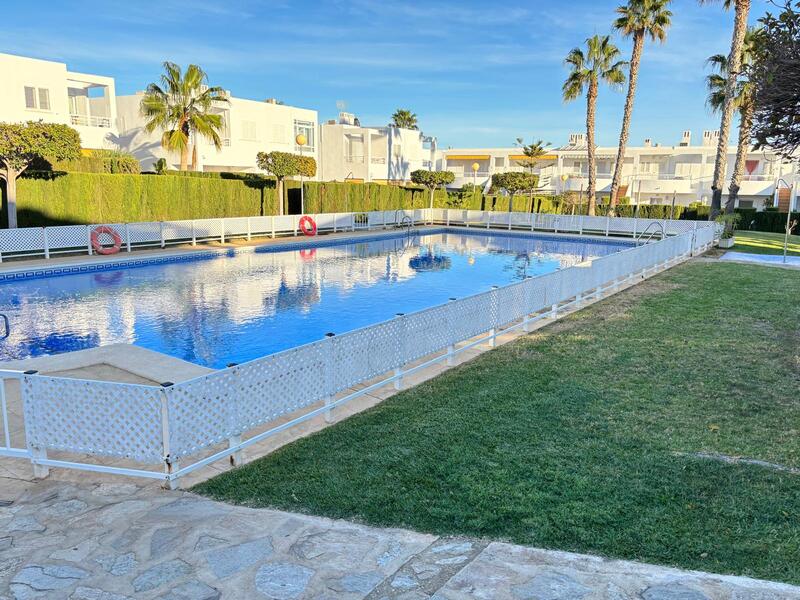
[[772, 260]]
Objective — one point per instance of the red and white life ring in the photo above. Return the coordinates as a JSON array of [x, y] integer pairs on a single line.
[[98, 245], [308, 226]]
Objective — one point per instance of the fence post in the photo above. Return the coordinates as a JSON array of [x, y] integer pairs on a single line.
[[222, 231], [249, 230], [161, 233], [194, 234], [170, 465], [635, 222], [329, 362], [451, 348], [89, 239], [235, 458], [398, 371], [46, 242], [580, 224], [608, 223], [37, 453], [127, 237], [447, 216], [272, 225], [533, 222], [554, 311]]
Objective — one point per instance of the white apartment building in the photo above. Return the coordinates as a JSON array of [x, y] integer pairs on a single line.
[[351, 152], [250, 127], [43, 90], [651, 173]]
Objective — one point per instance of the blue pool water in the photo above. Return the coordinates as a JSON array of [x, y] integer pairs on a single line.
[[238, 307]]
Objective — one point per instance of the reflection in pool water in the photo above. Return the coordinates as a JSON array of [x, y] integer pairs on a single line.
[[236, 308]]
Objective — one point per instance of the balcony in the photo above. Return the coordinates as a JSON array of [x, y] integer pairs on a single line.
[[379, 160], [89, 121]]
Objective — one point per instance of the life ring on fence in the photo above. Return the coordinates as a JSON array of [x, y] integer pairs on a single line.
[[308, 253], [308, 226], [98, 245]]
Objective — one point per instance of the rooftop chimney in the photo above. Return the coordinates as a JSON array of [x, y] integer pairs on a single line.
[[346, 118], [710, 138], [686, 138], [648, 142], [577, 139]]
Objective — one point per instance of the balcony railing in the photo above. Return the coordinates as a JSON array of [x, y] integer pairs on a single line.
[[379, 160], [89, 121], [354, 159]]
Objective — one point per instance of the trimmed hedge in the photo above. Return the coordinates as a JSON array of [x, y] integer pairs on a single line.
[[94, 161], [52, 198]]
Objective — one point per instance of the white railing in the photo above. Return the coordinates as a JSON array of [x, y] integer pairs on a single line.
[[210, 415], [89, 121], [46, 242], [76, 239]]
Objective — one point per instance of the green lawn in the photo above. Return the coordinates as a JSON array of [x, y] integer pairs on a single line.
[[758, 242], [580, 437]]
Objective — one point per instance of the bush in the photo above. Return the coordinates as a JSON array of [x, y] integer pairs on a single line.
[[94, 161]]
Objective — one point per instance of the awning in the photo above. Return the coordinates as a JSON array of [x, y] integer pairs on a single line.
[[467, 156], [523, 157]]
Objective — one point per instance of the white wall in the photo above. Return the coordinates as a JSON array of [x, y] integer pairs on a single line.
[[251, 127], [17, 73]]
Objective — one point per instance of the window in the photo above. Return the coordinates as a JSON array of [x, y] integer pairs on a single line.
[[37, 98], [249, 131], [307, 129]]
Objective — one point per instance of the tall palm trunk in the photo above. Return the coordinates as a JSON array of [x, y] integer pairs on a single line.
[[591, 104], [193, 166], [745, 124], [636, 57], [734, 65]]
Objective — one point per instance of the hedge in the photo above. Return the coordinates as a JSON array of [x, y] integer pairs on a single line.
[[94, 161], [50, 198]]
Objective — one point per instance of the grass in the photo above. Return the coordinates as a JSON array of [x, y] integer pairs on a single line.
[[759, 242], [581, 436]]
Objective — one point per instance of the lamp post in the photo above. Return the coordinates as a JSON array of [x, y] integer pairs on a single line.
[[475, 167], [301, 140]]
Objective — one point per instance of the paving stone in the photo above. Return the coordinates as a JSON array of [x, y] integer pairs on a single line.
[[192, 590], [224, 562], [9, 566], [283, 581], [190, 509], [87, 593], [206, 542], [76, 553], [550, 586], [49, 577], [121, 512], [25, 523], [164, 540], [673, 591], [357, 583], [118, 564], [160, 574], [451, 548], [404, 582], [6, 542], [393, 552], [108, 490], [65, 508]]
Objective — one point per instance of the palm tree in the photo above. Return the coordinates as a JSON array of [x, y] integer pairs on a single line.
[[638, 19], [532, 152], [181, 108], [743, 101], [742, 9], [404, 119], [587, 70]]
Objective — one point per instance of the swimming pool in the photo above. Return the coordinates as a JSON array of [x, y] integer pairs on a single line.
[[237, 306]]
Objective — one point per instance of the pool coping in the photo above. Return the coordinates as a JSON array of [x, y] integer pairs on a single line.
[[177, 255]]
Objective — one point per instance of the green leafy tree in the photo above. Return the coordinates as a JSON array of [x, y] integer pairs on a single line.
[[638, 19], [181, 108], [741, 12], [513, 183], [532, 152], [432, 180], [744, 102], [160, 166], [587, 70], [283, 165], [404, 119], [23, 143]]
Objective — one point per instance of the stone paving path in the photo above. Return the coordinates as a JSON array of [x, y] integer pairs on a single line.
[[115, 541]]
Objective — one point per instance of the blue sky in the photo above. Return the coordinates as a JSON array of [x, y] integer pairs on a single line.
[[476, 73]]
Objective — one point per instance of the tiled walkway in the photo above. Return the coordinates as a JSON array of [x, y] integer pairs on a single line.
[[114, 541]]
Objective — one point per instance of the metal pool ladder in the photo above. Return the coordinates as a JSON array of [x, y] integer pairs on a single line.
[[6, 326], [657, 230]]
